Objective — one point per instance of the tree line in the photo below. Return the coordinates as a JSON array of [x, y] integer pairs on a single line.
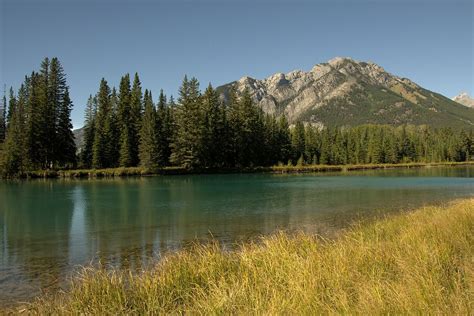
[[36, 130], [124, 127], [127, 128]]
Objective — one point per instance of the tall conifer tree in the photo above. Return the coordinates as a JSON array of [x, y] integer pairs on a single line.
[[102, 137], [136, 111], [124, 122], [89, 132], [148, 148], [187, 143]]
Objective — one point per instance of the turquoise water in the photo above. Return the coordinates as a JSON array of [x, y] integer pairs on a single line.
[[50, 227]]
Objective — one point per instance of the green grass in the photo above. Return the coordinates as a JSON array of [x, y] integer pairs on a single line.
[[419, 263]]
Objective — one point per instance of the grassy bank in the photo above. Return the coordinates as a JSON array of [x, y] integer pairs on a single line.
[[139, 171], [420, 262]]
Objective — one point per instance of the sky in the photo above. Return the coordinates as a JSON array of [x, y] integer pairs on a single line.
[[429, 41]]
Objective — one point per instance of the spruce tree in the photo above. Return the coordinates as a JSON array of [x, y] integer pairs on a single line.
[[124, 122], [284, 139], [148, 148], [136, 109], [14, 157], [246, 123], [37, 130], [298, 141], [214, 129], [102, 137], [11, 106], [3, 123], [163, 130], [114, 148], [66, 152], [50, 87], [187, 143], [89, 132]]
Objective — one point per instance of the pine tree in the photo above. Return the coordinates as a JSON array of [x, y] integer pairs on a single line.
[[136, 109], [35, 98], [187, 143], [11, 106], [298, 141], [3, 123], [214, 129], [284, 139], [89, 132], [102, 137], [50, 87], [311, 145], [114, 123], [163, 130], [246, 124], [325, 149], [65, 139], [124, 122], [148, 148], [14, 159]]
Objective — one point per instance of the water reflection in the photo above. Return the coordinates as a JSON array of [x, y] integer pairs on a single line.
[[47, 228]]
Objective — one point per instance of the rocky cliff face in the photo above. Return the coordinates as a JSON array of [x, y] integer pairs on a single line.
[[348, 92], [464, 99]]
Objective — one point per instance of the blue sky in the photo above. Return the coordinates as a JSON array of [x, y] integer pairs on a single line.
[[430, 42]]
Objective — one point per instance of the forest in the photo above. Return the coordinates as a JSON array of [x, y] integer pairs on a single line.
[[125, 127]]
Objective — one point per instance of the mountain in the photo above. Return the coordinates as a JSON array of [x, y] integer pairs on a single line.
[[464, 99], [78, 137], [348, 92]]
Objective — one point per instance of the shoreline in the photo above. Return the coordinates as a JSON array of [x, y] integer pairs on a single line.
[[140, 172]]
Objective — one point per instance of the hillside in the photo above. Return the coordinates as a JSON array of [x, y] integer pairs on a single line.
[[348, 92]]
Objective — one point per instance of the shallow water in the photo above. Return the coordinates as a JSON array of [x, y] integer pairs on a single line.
[[49, 227]]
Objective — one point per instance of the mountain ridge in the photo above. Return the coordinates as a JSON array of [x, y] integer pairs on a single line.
[[344, 91]]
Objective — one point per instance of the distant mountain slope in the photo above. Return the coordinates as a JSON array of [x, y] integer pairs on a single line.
[[78, 137], [464, 99], [347, 92]]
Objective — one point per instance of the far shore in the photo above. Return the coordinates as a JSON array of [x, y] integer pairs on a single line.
[[281, 169]]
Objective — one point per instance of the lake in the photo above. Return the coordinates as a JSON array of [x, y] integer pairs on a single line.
[[48, 228]]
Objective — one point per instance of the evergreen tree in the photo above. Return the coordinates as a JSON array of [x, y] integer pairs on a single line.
[[298, 141], [136, 109], [14, 159], [124, 122], [246, 124], [214, 129], [33, 98], [148, 149], [114, 123], [3, 123], [65, 138], [49, 95], [11, 106], [89, 132], [187, 142], [163, 130], [284, 139], [101, 146]]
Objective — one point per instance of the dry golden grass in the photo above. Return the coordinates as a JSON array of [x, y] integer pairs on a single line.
[[417, 263]]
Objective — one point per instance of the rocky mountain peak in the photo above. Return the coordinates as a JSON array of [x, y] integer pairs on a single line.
[[344, 91]]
